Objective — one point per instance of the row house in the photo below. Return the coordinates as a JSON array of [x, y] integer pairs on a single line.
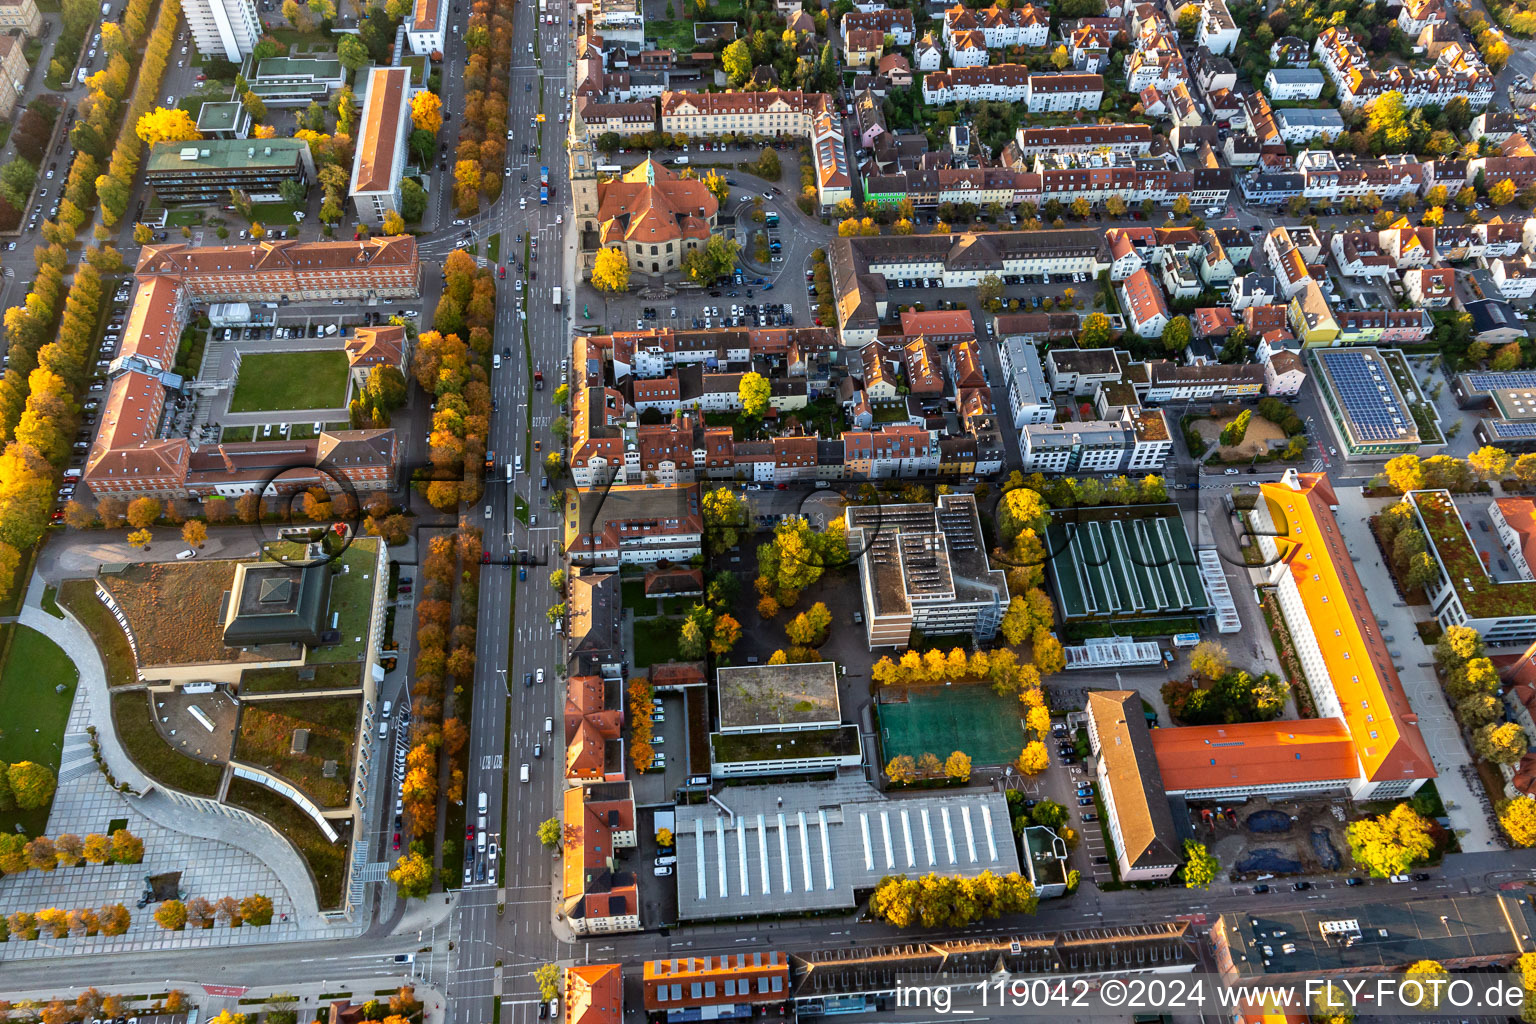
[[1145, 308], [1383, 326], [1217, 31], [1417, 15], [1495, 126], [862, 47], [1088, 47], [1456, 72], [864, 269], [1068, 177], [639, 524], [968, 50], [657, 352], [772, 113], [829, 159], [1521, 170], [1207, 382], [1455, 243], [1358, 255], [1014, 83], [1000, 27], [1251, 290], [894, 22], [1270, 326], [1284, 374], [1408, 246], [1158, 65], [1310, 316], [595, 119], [1136, 442], [1120, 139], [1213, 323], [1506, 237], [1514, 277], [895, 451]]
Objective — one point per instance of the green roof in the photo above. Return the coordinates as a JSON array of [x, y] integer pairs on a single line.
[[218, 117], [298, 67], [224, 154], [1482, 596], [1124, 560], [779, 746]]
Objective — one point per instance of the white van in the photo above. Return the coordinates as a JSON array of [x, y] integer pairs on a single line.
[[484, 802], [523, 774], [383, 728], [480, 842], [518, 462]]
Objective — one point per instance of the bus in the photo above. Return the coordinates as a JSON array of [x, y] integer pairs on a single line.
[[1186, 639], [544, 195], [543, 175]]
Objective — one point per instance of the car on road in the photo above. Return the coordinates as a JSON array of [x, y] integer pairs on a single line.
[[523, 772], [1260, 890], [538, 676], [1421, 876]]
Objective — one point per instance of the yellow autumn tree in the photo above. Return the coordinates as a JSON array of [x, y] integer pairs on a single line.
[[1033, 759], [426, 111], [162, 125]]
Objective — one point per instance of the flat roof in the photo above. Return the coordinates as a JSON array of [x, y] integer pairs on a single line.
[[216, 117], [1359, 668], [224, 154], [1482, 596], [1199, 757], [755, 697], [298, 67], [922, 551], [1350, 935], [815, 846], [1124, 560], [1370, 407]]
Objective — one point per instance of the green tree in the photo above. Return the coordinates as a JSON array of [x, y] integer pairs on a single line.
[[1177, 334], [1233, 433], [550, 833], [1500, 743], [737, 62], [548, 977], [1199, 866], [754, 392], [32, 785], [1096, 331], [725, 516], [1457, 646], [1391, 843], [412, 875]]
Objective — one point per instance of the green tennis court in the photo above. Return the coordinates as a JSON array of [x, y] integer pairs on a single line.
[[942, 719]]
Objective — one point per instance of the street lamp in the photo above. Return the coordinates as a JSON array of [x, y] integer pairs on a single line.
[[505, 686]]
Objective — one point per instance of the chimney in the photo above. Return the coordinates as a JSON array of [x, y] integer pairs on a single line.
[[229, 463]]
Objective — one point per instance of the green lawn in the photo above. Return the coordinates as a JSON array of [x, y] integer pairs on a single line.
[[340, 676], [156, 758], [184, 218], [940, 719], [327, 861], [270, 214], [78, 597], [266, 735], [32, 714], [656, 641], [493, 248], [277, 381]]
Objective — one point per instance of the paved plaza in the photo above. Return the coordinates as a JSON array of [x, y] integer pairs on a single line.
[[218, 856]]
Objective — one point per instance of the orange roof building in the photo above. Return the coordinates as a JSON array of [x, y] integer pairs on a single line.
[[379, 164], [594, 994], [1346, 661], [381, 267], [734, 979], [1217, 761], [593, 721], [655, 217], [596, 896]]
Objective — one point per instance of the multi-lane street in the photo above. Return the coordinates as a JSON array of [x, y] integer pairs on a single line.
[[509, 923]]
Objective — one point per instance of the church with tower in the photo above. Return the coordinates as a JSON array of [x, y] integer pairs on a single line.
[[650, 212]]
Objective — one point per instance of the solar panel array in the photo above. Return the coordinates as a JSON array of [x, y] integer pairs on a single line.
[[1365, 388], [1501, 381], [1513, 428]]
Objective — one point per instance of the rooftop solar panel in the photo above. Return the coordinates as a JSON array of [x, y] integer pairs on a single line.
[[1364, 386], [1501, 381], [1513, 428]]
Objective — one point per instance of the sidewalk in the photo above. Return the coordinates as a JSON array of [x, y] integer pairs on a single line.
[[1441, 733], [219, 855]]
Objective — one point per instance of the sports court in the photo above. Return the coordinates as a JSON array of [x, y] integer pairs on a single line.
[[939, 720]]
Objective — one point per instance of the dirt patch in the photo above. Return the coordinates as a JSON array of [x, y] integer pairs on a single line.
[[1255, 442], [1292, 837]]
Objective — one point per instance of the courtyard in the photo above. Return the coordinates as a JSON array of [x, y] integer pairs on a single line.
[[284, 381]]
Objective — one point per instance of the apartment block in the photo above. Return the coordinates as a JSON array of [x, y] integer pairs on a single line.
[[204, 171], [379, 164]]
